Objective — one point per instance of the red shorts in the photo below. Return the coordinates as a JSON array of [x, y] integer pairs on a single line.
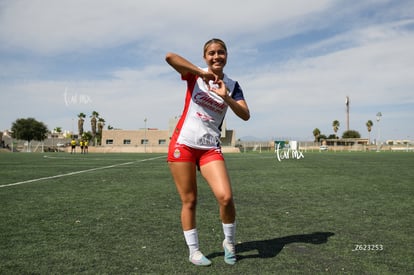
[[183, 153]]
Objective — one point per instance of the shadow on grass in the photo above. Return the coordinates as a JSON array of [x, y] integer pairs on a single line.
[[270, 248]]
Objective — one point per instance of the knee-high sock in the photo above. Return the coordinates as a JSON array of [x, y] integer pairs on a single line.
[[229, 230], [191, 238]]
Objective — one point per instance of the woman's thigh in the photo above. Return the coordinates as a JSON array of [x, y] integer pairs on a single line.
[[215, 173], [184, 175]]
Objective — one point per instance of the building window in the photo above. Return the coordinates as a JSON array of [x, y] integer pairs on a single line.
[[127, 141], [109, 141], [162, 141], [144, 141]]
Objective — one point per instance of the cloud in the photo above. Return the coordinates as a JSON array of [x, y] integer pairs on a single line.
[[52, 27], [374, 72]]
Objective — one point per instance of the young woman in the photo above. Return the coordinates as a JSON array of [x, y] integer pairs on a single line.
[[195, 143]]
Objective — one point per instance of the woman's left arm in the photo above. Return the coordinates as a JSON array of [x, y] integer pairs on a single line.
[[239, 107]]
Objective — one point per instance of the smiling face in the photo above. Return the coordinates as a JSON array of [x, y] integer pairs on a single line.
[[215, 55]]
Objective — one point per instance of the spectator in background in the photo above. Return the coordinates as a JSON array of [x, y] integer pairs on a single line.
[[85, 146], [81, 144], [73, 146]]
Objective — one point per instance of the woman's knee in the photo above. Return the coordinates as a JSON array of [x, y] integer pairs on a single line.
[[189, 202], [225, 200]]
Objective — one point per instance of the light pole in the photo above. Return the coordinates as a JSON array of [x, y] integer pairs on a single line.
[[11, 138], [347, 112], [73, 128], [379, 115], [145, 135]]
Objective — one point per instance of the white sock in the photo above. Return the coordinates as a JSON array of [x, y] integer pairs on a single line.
[[191, 238], [229, 230]]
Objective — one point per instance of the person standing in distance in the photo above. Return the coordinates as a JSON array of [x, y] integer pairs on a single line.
[[73, 146], [195, 143]]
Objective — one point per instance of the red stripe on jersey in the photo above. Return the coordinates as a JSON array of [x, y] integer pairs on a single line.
[[191, 82]]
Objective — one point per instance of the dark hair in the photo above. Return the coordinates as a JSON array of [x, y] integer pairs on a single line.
[[212, 41]]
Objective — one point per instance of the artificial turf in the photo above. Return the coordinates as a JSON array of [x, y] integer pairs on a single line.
[[344, 212]]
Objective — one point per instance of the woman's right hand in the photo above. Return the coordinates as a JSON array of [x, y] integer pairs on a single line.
[[207, 77]]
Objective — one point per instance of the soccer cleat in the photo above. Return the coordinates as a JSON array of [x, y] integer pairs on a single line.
[[199, 259], [229, 253]]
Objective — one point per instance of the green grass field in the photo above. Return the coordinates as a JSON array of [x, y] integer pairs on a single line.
[[329, 213]]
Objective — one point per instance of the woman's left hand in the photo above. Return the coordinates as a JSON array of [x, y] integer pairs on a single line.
[[221, 90], [239, 107]]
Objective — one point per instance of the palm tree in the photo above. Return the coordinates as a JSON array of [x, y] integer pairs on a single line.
[[94, 118], [101, 124], [369, 125], [316, 134], [81, 117], [335, 125]]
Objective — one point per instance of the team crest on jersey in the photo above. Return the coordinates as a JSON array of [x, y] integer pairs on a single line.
[[177, 153]]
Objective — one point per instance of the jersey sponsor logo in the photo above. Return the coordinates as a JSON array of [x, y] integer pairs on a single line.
[[203, 99]]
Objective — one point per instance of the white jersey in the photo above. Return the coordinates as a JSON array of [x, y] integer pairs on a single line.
[[204, 111]]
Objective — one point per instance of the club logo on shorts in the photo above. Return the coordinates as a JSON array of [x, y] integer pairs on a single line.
[[177, 153]]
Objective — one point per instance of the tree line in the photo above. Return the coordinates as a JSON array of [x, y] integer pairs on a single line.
[[347, 134], [30, 129]]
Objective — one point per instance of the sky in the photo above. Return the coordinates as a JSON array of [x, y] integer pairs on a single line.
[[295, 60]]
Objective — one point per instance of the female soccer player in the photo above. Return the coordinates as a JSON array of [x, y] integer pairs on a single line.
[[195, 143]]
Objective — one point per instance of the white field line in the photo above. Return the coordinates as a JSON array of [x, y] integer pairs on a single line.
[[80, 159], [77, 172]]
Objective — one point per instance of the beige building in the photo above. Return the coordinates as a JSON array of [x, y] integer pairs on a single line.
[[143, 140]]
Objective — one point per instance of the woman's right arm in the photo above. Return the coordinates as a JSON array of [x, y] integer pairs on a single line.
[[183, 66]]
